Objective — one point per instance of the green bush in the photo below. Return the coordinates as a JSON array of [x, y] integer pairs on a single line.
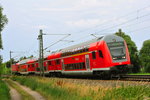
[[4, 91]]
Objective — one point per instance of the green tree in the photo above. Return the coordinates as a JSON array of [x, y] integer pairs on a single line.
[[132, 51], [8, 62], [3, 22], [145, 55], [22, 58], [4, 69]]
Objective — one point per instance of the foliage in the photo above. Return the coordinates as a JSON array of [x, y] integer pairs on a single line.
[[132, 50], [4, 91], [139, 74], [8, 63], [4, 69], [145, 55], [1, 59], [22, 58], [58, 89], [3, 22], [48, 90], [128, 93]]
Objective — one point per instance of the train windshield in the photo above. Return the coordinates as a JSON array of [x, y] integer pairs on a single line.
[[117, 50]]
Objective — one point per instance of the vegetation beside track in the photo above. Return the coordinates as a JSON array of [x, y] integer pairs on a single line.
[[56, 89], [139, 74], [4, 91], [24, 94]]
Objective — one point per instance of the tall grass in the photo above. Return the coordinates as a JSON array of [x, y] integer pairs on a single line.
[[50, 91], [129, 93], [57, 89], [4, 91]]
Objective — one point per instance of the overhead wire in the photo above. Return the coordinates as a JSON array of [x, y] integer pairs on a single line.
[[102, 24], [128, 14], [128, 21]]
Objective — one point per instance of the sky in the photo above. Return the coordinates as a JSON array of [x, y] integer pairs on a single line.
[[80, 18]]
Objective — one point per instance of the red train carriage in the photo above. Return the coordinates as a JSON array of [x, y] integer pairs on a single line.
[[31, 66], [27, 66], [107, 54], [102, 56], [54, 65], [14, 68], [23, 68]]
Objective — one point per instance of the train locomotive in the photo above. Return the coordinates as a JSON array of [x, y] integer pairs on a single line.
[[104, 56]]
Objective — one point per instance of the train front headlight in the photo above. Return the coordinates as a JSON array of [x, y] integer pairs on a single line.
[[114, 58], [124, 57]]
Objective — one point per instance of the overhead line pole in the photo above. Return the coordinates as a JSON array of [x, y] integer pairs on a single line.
[[41, 50], [11, 61], [40, 38]]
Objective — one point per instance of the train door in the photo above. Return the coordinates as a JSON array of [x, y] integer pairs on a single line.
[[45, 66], [87, 62], [93, 59], [62, 63]]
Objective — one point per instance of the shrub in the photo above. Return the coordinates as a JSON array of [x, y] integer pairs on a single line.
[[4, 91]]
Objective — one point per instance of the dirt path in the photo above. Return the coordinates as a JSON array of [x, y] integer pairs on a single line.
[[35, 94], [14, 94]]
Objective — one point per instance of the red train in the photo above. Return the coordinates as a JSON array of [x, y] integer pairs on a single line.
[[104, 56]]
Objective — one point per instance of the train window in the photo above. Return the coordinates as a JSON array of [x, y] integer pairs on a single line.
[[57, 62], [93, 55], [100, 53], [28, 66], [50, 63], [86, 49], [32, 65], [83, 64]]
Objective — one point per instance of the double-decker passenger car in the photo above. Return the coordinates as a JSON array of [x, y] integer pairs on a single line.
[[103, 56], [14, 68]]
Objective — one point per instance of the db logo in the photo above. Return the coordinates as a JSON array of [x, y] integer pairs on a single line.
[[77, 59], [120, 63]]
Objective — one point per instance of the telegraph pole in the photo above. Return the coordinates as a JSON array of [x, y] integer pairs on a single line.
[[40, 38], [11, 61]]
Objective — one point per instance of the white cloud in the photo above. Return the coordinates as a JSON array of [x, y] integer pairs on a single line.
[[40, 27], [78, 6], [85, 22]]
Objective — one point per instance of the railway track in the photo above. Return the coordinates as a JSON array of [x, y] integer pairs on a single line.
[[136, 77], [122, 77]]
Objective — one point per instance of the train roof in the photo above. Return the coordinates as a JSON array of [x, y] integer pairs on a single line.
[[107, 38], [27, 60], [82, 45]]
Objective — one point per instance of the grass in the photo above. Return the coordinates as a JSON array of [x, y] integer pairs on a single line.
[[50, 89], [129, 93], [24, 94], [57, 89], [139, 74], [4, 91]]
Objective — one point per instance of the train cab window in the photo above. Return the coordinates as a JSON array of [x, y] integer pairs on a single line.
[[100, 53], [93, 55]]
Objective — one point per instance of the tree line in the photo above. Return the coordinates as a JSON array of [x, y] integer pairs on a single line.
[[140, 60]]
